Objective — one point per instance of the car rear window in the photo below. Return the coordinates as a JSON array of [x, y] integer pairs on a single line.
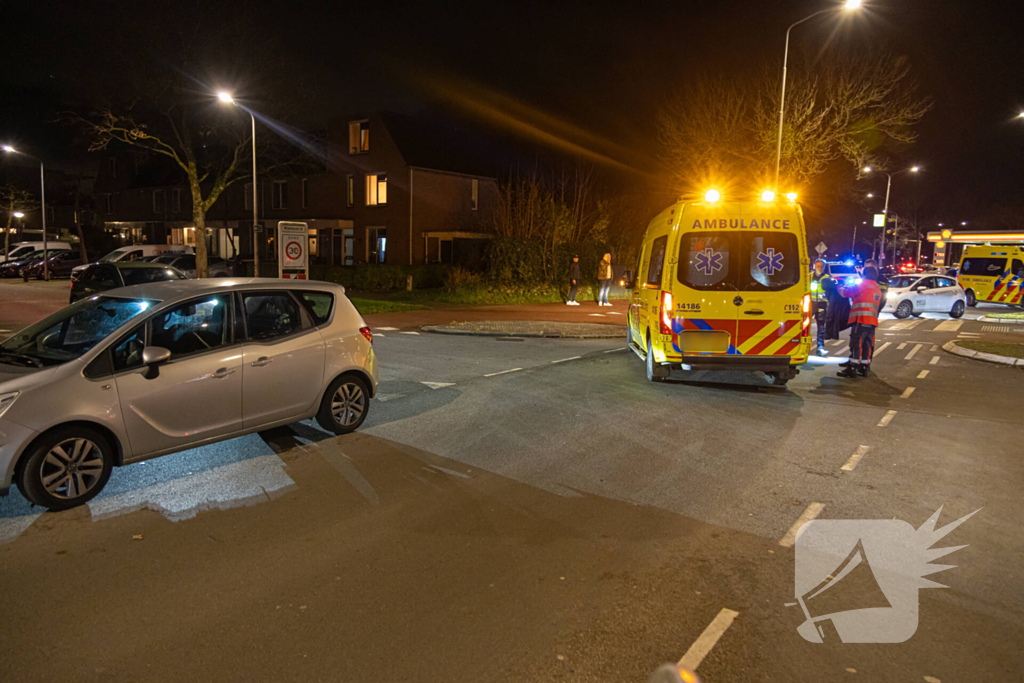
[[138, 276], [739, 261], [319, 305], [982, 266]]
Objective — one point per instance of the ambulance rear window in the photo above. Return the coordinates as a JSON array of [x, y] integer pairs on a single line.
[[742, 261], [987, 267], [704, 260], [774, 262]]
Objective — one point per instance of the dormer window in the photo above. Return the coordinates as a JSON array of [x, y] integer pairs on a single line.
[[358, 137]]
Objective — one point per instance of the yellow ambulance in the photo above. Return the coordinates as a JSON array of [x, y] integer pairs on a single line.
[[723, 286], [992, 274]]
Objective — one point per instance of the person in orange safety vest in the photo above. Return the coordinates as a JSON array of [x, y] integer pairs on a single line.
[[866, 299]]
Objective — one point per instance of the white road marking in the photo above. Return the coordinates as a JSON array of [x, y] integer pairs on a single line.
[[503, 372], [934, 360], [833, 342], [880, 349], [922, 374], [438, 385], [907, 392], [702, 646], [624, 348], [416, 333], [812, 511], [614, 313], [843, 351], [387, 397], [596, 315], [567, 359], [378, 334], [855, 458], [948, 326], [901, 346], [388, 329], [887, 418], [935, 347], [913, 352]]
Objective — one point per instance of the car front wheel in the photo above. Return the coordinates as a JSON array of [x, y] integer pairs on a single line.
[[66, 467], [957, 310], [904, 309], [345, 404]]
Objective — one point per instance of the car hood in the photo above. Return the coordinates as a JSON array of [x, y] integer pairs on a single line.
[[17, 378]]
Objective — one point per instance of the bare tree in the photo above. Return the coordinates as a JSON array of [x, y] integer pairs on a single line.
[[13, 200]]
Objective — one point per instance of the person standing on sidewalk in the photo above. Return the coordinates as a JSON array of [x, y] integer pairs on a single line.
[[574, 281], [604, 279], [866, 299]]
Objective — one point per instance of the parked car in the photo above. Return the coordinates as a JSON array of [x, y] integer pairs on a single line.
[[186, 263], [14, 267], [100, 277], [21, 249], [157, 368], [913, 294], [58, 265], [138, 252]]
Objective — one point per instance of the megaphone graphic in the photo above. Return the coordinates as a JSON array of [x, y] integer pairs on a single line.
[[860, 591]]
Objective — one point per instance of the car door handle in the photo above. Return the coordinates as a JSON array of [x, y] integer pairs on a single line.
[[261, 361], [222, 373], [753, 312]]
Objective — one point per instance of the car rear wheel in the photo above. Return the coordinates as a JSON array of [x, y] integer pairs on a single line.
[[972, 300], [66, 467], [958, 309], [345, 405], [655, 373], [904, 309]]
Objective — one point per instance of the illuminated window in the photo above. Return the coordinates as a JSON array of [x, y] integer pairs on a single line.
[[351, 191], [475, 203], [279, 197], [376, 189], [358, 137]]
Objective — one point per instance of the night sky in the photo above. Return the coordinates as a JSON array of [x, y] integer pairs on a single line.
[[588, 75]]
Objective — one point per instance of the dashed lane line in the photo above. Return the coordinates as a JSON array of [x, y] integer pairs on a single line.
[[388, 329], [702, 646], [843, 351], [438, 385], [596, 315], [922, 374], [415, 333], [563, 360], [624, 348], [855, 458], [812, 511], [935, 347], [948, 326], [907, 392], [913, 352], [887, 418], [902, 346], [614, 313], [503, 372], [880, 349], [934, 360]]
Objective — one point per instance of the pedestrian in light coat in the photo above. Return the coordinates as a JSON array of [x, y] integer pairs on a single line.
[[604, 279]]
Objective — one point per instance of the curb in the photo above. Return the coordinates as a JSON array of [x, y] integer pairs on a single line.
[[951, 347], [1004, 321]]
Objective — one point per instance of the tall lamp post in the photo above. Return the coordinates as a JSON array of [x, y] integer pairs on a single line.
[[885, 211], [42, 202], [849, 4], [228, 99]]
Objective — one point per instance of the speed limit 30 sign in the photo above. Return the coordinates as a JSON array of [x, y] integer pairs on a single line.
[[293, 253]]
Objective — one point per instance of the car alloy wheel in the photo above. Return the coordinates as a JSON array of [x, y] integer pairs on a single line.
[[71, 468], [958, 309], [348, 404], [904, 309], [66, 467]]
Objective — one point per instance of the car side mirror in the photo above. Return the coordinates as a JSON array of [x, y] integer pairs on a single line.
[[153, 357]]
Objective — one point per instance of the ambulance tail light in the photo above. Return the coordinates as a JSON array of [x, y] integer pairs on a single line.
[[665, 319], [805, 307]]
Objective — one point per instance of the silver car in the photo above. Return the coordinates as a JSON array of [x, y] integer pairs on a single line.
[[143, 371]]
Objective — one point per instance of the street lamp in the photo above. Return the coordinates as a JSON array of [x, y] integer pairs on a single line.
[[226, 98], [42, 201], [848, 5], [885, 211]]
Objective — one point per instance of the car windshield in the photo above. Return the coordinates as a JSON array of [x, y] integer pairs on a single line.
[[138, 276], [841, 269], [69, 333], [902, 282], [113, 256]]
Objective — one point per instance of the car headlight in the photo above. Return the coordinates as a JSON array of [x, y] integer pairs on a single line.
[[7, 400]]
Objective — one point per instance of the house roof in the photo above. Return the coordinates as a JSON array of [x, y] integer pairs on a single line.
[[439, 146]]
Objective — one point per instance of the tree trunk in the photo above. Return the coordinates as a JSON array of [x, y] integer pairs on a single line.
[[78, 221], [199, 218]]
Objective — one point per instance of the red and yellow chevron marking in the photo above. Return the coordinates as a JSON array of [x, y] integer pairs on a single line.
[[775, 343]]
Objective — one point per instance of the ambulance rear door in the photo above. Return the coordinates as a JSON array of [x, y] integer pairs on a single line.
[[704, 291], [769, 272]]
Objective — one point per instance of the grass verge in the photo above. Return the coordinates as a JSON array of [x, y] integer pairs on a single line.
[[370, 306], [1010, 349], [1006, 316]]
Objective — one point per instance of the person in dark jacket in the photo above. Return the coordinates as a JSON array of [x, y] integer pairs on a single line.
[[819, 276], [574, 281], [838, 315]]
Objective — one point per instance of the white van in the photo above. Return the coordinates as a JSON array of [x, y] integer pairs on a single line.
[[135, 252], [20, 249]]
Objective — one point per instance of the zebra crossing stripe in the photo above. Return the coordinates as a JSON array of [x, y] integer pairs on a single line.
[[880, 349], [914, 351]]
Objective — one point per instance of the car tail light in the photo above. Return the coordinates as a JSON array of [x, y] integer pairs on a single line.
[[806, 308], [666, 313], [368, 333]]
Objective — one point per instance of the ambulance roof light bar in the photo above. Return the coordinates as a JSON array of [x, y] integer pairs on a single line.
[[712, 196]]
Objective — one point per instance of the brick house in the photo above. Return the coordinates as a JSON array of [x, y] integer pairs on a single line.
[[397, 190]]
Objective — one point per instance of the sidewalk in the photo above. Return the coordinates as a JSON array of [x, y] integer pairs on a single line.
[[590, 312]]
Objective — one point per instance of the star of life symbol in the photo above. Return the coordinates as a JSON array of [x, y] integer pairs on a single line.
[[709, 261], [859, 578], [769, 261]]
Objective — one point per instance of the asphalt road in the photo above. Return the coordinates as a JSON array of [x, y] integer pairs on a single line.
[[565, 521]]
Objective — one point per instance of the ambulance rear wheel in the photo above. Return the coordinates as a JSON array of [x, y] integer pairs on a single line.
[[972, 300], [655, 373], [904, 310], [775, 379]]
